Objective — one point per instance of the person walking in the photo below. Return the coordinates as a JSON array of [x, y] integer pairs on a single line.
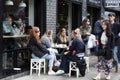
[[105, 49], [116, 30]]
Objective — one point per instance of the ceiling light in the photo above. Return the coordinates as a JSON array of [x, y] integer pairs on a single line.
[[9, 2], [22, 4]]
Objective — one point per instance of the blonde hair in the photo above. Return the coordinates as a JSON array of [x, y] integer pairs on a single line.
[[77, 33], [48, 34]]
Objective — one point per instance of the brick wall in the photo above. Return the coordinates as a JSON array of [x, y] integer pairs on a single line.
[[51, 14]]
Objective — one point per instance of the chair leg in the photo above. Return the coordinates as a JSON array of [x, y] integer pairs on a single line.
[[44, 67], [77, 73], [69, 73]]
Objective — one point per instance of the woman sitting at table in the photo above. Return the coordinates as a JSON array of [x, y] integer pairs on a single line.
[[61, 41], [61, 38], [74, 52], [38, 51], [46, 41]]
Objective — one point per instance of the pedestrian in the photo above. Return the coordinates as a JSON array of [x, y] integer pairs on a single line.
[[87, 36], [97, 31], [116, 30], [105, 49]]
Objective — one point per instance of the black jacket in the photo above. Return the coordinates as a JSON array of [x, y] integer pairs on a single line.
[[115, 29], [36, 48]]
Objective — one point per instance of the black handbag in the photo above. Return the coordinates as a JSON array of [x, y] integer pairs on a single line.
[[108, 54], [81, 64], [85, 39], [101, 52]]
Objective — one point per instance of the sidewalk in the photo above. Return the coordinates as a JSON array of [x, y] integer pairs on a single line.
[[89, 75]]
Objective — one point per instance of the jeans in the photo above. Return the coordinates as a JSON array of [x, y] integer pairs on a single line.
[[49, 57], [115, 57]]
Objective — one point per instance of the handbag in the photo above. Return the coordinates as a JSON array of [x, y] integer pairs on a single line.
[[85, 39], [81, 64], [108, 54], [101, 52]]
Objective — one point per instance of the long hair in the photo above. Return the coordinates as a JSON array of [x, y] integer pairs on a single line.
[[62, 38], [34, 34], [108, 29], [84, 22], [48, 34]]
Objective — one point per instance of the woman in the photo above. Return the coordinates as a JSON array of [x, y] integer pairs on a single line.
[[73, 53], [46, 41], [38, 51], [61, 38], [106, 45], [85, 30]]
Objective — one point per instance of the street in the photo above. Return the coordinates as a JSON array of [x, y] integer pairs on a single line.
[[89, 76]]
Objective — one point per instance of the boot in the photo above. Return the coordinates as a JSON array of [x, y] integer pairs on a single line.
[[116, 69]]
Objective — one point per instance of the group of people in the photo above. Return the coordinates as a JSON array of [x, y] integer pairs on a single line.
[[106, 32]]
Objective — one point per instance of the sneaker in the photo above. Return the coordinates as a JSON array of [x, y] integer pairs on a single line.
[[51, 73], [60, 72], [57, 63]]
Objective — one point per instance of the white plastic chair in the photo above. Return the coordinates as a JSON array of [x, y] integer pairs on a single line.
[[72, 67], [37, 64]]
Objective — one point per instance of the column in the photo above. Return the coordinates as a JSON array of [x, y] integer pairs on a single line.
[[31, 12], [84, 9], [51, 15], [1, 34]]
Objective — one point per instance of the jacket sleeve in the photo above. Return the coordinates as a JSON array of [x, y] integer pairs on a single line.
[[37, 49]]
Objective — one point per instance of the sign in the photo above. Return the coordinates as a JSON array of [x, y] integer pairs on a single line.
[[112, 3]]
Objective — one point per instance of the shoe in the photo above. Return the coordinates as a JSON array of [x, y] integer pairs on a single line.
[[97, 78], [107, 77], [57, 63], [51, 73], [60, 72]]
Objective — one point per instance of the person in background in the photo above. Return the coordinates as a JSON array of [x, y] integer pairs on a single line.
[[7, 26], [38, 51], [106, 44], [86, 34], [21, 25], [116, 30], [97, 31], [16, 30], [77, 46]]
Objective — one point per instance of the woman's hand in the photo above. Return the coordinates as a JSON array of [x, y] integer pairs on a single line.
[[65, 53]]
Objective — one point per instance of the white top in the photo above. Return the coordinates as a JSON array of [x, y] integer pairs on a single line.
[[104, 38]]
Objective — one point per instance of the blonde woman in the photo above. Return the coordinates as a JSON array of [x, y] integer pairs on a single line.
[[61, 38], [77, 46], [38, 51], [46, 41]]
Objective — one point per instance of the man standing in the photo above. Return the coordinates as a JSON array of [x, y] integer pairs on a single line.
[[116, 30]]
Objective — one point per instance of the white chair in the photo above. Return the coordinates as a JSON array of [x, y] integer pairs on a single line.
[[72, 67], [37, 64]]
